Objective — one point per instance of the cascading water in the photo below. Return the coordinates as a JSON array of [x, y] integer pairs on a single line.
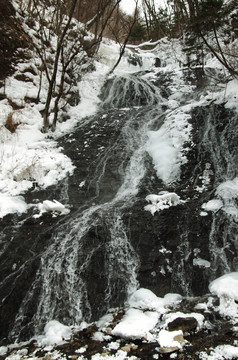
[[77, 267], [129, 90], [90, 264]]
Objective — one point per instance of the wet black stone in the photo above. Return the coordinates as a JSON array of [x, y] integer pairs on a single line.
[[184, 324], [157, 62], [135, 60]]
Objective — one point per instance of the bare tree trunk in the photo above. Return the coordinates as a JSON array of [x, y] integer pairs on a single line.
[[39, 90], [55, 68]]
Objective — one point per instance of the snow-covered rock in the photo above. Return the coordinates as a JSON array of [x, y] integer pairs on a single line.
[[54, 333], [226, 288], [136, 324], [146, 299], [212, 205], [161, 202], [52, 206], [226, 285], [12, 204], [170, 341]]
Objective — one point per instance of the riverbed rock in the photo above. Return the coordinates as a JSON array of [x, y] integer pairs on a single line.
[[186, 324]]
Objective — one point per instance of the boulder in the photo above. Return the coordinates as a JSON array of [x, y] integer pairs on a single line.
[[186, 324]]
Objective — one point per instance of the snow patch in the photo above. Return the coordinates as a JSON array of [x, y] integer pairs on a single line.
[[55, 333], [146, 299], [167, 338], [3, 350], [221, 352], [228, 194], [28, 159], [201, 263], [166, 145], [11, 205], [226, 285], [163, 154], [161, 202], [52, 206], [172, 298], [104, 321], [228, 190], [212, 205], [136, 324], [226, 288], [231, 94], [100, 336]]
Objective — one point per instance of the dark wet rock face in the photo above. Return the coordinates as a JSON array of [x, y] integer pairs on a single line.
[[78, 266]]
